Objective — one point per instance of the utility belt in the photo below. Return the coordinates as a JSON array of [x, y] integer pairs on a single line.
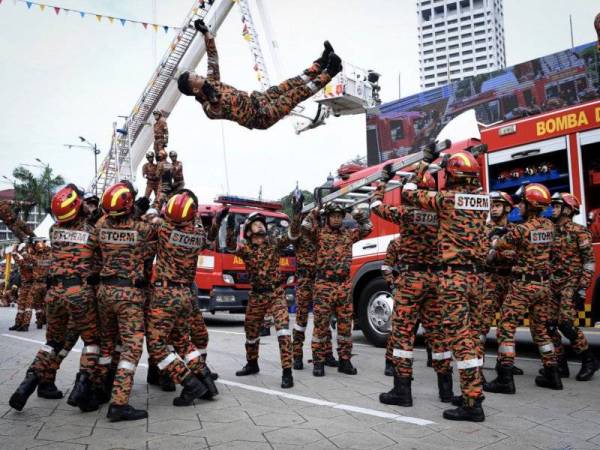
[[331, 278], [123, 282], [263, 289], [502, 271], [536, 277], [418, 267], [66, 282], [152, 180], [173, 284], [470, 268]]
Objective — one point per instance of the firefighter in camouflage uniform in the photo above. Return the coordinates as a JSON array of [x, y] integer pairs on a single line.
[[150, 173], [258, 110], [11, 219], [179, 243], [332, 294], [415, 292], [70, 305], [261, 254], [40, 281], [461, 215], [25, 261], [161, 132], [573, 266], [533, 244]]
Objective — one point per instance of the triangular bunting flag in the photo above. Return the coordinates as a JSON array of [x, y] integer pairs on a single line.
[[56, 10], [98, 17], [111, 20], [42, 7], [82, 14], [28, 5], [155, 27], [255, 66], [166, 28], [67, 11], [145, 25], [123, 21]]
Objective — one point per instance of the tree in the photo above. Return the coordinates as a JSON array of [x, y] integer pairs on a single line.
[[34, 189], [287, 201]]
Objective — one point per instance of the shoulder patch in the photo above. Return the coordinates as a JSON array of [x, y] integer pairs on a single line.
[[541, 236], [185, 240], [116, 236], [61, 235], [473, 202]]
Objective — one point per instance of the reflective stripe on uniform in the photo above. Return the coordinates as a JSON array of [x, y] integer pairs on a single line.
[[91, 349], [28, 309], [284, 332], [319, 340], [299, 328], [20, 311], [170, 348], [375, 204], [166, 361], [399, 353], [126, 365], [506, 349], [46, 349], [469, 363], [252, 341], [119, 348], [387, 268], [547, 348], [105, 360], [441, 356], [192, 355], [63, 353]]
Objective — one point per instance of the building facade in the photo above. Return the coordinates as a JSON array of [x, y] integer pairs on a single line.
[[459, 38]]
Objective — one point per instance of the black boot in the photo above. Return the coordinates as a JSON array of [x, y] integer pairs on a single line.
[[517, 370], [457, 400], [298, 364], [205, 377], [116, 413], [445, 387], [101, 394], [469, 413], [429, 357], [250, 368], [81, 390], [193, 388], [39, 325], [49, 391], [287, 380], [400, 395], [264, 331], [153, 376], [347, 367], [24, 328], [389, 368], [90, 403], [589, 365], [14, 327], [24, 391], [324, 58], [334, 65], [504, 383], [166, 384], [330, 360], [550, 379], [318, 369]]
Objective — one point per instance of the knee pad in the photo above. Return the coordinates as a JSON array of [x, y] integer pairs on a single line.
[[568, 330]]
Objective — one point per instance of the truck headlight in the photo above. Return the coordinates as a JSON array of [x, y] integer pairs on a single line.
[[228, 278], [290, 280]]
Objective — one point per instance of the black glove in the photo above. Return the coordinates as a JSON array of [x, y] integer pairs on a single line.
[[498, 231], [142, 204], [221, 215], [387, 173], [579, 298], [200, 26], [429, 153]]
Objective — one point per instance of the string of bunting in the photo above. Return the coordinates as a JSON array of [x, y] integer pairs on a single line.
[[58, 9]]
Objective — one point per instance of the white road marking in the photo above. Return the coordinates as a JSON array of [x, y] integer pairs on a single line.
[[212, 330], [300, 398], [319, 402]]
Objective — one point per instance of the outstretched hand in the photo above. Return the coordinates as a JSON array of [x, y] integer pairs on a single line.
[[201, 26]]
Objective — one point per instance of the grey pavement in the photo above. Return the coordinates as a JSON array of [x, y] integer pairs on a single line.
[[337, 411]]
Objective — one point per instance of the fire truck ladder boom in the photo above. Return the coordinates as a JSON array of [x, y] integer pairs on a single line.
[[131, 141]]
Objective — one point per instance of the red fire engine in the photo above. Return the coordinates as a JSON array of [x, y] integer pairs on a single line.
[[560, 149], [221, 280]]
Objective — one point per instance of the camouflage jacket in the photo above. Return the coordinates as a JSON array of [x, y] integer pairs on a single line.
[[25, 261], [150, 171], [461, 217], [125, 243], [392, 256], [533, 243], [573, 259], [503, 259], [418, 230], [262, 262], [177, 171], [41, 268], [161, 130], [74, 249]]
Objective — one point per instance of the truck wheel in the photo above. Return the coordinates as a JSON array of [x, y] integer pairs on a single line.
[[375, 308]]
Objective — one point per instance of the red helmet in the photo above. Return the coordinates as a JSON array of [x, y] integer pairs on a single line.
[[117, 200], [462, 164], [182, 207], [427, 181], [66, 204], [535, 194], [564, 198], [501, 196]]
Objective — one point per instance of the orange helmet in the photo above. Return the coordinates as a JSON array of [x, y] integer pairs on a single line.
[[182, 207], [501, 196], [66, 204], [117, 200], [564, 198], [426, 181], [535, 194], [462, 164]]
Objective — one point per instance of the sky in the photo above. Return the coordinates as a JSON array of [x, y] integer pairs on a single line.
[[63, 76]]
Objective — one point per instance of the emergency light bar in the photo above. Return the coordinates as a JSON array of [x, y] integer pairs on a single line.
[[271, 205]]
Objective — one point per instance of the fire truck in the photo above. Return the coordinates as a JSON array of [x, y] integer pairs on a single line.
[[221, 282], [560, 149]]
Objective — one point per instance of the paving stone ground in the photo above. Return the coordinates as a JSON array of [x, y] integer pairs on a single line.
[[337, 411]]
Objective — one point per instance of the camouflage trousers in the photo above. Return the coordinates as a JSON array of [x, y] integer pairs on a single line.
[[198, 330], [416, 297], [460, 295], [164, 192], [495, 290], [168, 323], [121, 311], [304, 298], [258, 305], [38, 295], [71, 314], [532, 297], [160, 144], [151, 187], [562, 314], [332, 298], [24, 304]]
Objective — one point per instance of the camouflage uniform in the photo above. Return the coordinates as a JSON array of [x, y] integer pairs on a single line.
[[461, 216], [165, 176], [150, 173], [26, 262], [178, 181], [122, 243], [266, 294], [573, 267], [40, 284], [161, 135], [332, 293], [7, 215], [414, 254], [258, 110]]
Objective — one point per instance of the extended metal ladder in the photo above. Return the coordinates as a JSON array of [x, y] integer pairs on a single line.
[[117, 164], [250, 35]]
